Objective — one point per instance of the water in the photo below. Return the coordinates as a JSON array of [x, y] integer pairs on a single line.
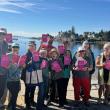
[[96, 48]]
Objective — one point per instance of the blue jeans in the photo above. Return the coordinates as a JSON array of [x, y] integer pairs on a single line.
[[40, 98]]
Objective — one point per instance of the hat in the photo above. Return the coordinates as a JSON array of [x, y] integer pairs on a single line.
[[15, 45], [81, 49], [3, 30], [31, 43], [86, 42]]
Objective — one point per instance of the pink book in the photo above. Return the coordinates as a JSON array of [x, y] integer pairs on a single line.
[[81, 64], [15, 58], [35, 56], [107, 65], [61, 49], [22, 60], [44, 37], [56, 66], [8, 38], [5, 61], [43, 64], [67, 60]]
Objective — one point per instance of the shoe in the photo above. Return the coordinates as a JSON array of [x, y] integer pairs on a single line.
[[33, 104], [87, 104], [99, 101], [77, 104], [28, 108], [61, 106], [106, 102], [48, 102], [66, 102]]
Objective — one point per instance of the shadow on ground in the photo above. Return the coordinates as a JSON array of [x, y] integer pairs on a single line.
[[71, 106]]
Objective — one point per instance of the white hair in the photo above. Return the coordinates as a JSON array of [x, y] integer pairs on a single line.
[[106, 45]]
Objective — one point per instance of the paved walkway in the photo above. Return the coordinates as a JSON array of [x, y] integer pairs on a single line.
[[70, 97]]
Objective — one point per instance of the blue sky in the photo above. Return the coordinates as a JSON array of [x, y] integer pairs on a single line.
[[34, 17]]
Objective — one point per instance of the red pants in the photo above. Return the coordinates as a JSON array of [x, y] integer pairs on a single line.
[[83, 83]]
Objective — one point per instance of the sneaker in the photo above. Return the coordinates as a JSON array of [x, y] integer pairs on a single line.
[[28, 108], [87, 104], [33, 104], [77, 104], [106, 102], [66, 102], [99, 101], [61, 106]]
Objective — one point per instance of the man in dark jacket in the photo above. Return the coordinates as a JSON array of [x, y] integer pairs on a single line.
[[3, 71]]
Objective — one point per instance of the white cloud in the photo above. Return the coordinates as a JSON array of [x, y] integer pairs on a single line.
[[13, 6], [9, 10]]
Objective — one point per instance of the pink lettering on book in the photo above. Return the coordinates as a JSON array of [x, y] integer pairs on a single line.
[[22, 60], [43, 64], [56, 67], [67, 60], [15, 58], [35, 56], [81, 64], [61, 49], [5, 61], [107, 65], [44, 37]]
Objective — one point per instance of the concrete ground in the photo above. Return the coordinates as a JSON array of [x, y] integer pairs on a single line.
[[70, 97]]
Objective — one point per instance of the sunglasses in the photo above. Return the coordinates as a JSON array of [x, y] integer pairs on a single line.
[[16, 47]]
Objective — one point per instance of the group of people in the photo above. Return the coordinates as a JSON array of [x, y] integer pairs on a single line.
[[48, 68]]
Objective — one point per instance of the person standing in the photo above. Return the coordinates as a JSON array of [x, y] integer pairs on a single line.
[[81, 67], [13, 77], [89, 54], [103, 65], [3, 71], [29, 68], [56, 68], [67, 61]]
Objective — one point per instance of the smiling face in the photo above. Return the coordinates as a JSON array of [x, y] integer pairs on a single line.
[[81, 53], [32, 47], [106, 50], [54, 55], [68, 53], [15, 50], [43, 54], [86, 46]]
